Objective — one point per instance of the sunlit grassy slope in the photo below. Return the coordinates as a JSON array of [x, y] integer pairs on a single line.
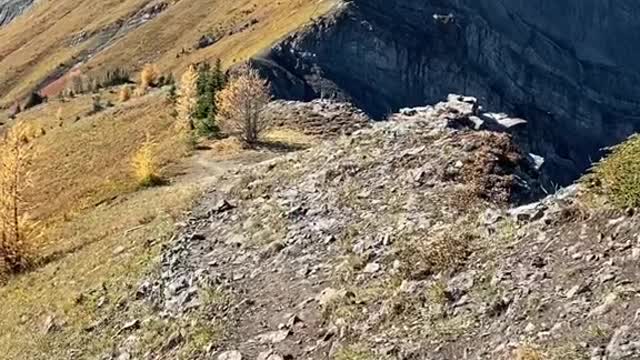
[[81, 161], [38, 43], [102, 232], [99, 229]]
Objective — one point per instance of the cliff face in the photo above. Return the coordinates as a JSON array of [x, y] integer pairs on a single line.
[[10, 9], [570, 68]]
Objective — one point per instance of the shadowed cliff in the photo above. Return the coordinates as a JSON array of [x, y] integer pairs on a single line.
[[570, 68]]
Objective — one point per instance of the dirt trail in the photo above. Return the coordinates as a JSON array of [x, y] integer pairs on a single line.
[[293, 258], [272, 289], [204, 167], [274, 307]]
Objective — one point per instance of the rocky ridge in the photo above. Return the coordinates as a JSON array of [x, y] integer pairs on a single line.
[[321, 118], [401, 241]]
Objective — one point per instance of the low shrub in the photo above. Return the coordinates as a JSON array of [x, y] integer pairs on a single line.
[[125, 94], [617, 176]]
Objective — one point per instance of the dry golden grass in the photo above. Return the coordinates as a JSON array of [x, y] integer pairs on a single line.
[[109, 247], [85, 163], [353, 353], [97, 228], [527, 352], [101, 232], [30, 47], [286, 139], [227, 146], [290, 137], [443, 251], [148, 76], [618, 175]]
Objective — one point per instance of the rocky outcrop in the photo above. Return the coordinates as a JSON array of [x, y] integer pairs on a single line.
[[569, 67], [10, 9], [321, 118]]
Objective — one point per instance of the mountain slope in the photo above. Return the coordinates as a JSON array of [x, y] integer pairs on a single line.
[[93, 37], [556, 65]]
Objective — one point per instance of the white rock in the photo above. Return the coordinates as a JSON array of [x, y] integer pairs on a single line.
[[230, 355], [530, 328], [372, 268], [328, 295]]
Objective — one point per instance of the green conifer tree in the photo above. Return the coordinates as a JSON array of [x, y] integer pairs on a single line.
[[203, 106], [210, 81]]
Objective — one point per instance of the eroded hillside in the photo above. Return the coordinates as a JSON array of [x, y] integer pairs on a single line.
[[10, 9]]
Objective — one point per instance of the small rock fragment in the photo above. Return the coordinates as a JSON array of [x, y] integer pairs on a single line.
[[230, 355], [131, 325], [372, 268], [609, 302], [273, 337], [329, 295]]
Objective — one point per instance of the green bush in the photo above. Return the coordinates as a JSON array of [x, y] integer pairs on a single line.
[[208, 126]]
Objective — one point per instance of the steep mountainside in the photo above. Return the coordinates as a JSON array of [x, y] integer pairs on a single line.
[[431, 234], [569, 67]]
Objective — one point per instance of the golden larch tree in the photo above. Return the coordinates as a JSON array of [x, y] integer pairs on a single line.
[[144, 164], [17, 231], [241, 105], [187, 99]]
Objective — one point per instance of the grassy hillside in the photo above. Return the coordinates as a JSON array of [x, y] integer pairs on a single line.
[[97, 228], [101, 231], [57, 35], [81, 161]]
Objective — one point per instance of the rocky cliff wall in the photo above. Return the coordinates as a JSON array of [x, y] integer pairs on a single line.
[[571, 68]]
